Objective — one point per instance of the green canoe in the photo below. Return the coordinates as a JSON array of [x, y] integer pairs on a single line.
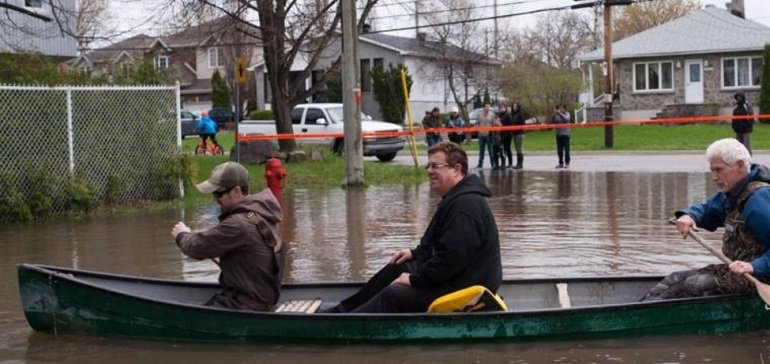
[[59, 300]]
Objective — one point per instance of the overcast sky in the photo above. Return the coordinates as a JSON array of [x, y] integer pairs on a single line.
[[140, 16]]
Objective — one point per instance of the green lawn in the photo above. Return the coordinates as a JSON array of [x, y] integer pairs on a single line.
[[642, 138]]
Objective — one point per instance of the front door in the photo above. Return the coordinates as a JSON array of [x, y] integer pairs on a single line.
[[693, 81]]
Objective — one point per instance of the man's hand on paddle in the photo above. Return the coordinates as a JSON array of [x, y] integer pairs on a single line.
[[741, 268], [684, 224], [401, 256]]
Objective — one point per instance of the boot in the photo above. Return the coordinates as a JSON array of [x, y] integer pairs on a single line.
[[519, 161]]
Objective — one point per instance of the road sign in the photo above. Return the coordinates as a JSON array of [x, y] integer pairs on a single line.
[[240, 70]]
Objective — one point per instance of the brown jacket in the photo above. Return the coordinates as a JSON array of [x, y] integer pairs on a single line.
[[247, 243]]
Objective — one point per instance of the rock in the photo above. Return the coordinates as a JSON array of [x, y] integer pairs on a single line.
[[296, 156], [254, 151]]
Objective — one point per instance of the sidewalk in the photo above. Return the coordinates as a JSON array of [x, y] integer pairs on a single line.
[[684, 161]]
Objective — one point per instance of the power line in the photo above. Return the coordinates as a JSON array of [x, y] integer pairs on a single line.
[[567, 7], [460, 9]]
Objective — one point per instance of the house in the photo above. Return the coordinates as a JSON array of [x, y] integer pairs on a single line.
[[689, 66], [22, 32], [430, 87], [192, 55]]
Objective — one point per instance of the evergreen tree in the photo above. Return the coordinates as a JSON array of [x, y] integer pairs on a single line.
[[477, 101], [764, 95], [487, 99], [389, 92], [220, 93], [334, 87]]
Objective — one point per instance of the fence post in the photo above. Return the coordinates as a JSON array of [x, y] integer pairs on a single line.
[[179, 132], [70, 137]]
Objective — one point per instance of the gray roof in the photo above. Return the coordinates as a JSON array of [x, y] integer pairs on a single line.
[[421, 48], [709, 30]]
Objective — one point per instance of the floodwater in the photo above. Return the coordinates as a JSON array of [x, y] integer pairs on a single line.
[[552, 224]]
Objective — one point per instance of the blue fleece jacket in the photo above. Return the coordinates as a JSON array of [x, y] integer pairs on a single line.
[[756, 213], [206, 126]]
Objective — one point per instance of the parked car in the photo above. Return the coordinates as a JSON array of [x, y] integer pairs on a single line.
[[188, 122], [326, 118], [221, 115]]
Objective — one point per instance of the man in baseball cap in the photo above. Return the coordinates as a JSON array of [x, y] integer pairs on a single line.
[[224, 177], [246, 242]]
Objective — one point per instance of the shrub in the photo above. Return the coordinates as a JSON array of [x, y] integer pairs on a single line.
[[262, 115]]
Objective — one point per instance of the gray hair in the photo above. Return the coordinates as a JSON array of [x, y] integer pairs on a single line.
[[730, 151]]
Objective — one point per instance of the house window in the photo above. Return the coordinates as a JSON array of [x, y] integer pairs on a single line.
[[366, 76], [654, 76], [125, 67], [84, 70], [161, 62], [741, 72], [216, 58], [378, 62], [33, 3]]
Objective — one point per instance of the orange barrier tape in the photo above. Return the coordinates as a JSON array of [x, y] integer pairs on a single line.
[[679, 120]]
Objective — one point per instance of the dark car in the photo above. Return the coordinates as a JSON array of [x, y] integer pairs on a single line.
[[221, 115], [188, 121]]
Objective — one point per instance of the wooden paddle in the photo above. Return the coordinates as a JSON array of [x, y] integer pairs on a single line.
[[762, 289]]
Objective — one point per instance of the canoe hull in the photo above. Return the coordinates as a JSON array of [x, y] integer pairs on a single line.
[[56, 303]]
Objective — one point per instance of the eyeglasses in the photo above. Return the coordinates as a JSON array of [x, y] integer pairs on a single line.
[[437, 166], [220, 193]]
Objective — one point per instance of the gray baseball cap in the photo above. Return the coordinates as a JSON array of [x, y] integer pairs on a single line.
[[224, 176]]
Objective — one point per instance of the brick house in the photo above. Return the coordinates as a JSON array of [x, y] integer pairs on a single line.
[[686, 67]]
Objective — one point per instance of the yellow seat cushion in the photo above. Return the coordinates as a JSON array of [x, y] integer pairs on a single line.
[[474, 298]]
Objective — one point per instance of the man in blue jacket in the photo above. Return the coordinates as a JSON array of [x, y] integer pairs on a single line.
[[459, 249], [742, 207]]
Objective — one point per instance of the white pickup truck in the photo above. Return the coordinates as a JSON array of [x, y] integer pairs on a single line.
[[326, 119]]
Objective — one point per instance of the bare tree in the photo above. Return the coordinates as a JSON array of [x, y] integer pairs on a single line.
[[559, 37], [288, 30], [91, 18], [464, 62], [641, 16]]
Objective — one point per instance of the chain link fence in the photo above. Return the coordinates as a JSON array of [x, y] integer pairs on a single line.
[[102, 144]]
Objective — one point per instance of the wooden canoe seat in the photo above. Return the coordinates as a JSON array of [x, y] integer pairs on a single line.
[[564, 300], [299, 306]]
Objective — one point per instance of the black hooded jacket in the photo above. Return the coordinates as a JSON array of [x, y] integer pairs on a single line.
[[460, 248], [742, 107]]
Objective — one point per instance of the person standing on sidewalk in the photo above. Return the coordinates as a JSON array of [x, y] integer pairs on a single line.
[[455, 122], [506, 136], [561, 116], [484, 120], [517, 116], [743, 127], [432, 121]]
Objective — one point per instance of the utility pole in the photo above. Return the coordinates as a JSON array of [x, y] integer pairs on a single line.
[[607, 70], [496, 29], [608, 117], [417, 19], [351, 97]]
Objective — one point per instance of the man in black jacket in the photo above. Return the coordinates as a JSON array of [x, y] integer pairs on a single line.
[[459, 249], [743, 127]]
